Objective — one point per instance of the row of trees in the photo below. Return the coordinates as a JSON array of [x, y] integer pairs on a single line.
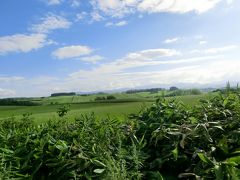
[[14, 102], [102, 98], [63, 94]]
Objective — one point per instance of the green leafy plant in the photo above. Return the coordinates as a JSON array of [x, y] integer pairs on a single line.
[[63, 110], [168, 140]]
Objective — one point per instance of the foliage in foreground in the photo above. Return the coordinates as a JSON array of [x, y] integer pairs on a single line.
[[200, 142], [84, 149], [166, 141]]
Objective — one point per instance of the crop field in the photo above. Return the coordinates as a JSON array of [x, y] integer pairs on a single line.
[[119, 108]]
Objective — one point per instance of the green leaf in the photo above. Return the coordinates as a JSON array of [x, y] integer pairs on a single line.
[[8, 151], [223, 145], [193, 120], [218, 172], [234, 160], [205, 159], [155, 175], [61, 145], [175, 153], [99, 171], [98, 163], [225, 102]]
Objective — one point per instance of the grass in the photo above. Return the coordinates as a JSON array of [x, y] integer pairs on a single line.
[[45, 112], [120, 108]]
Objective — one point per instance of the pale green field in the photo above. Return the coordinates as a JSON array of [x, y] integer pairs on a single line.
[[116, 109], [41, 113]]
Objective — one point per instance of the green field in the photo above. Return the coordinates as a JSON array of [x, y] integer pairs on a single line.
[[80, 105]]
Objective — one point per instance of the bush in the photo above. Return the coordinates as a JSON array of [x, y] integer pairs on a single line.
[[198, 143], [181, 92], [84, 149], [110, 97], [98, 98], [63, 110]]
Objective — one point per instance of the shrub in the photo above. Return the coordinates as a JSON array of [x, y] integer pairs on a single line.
[[201, 142], [181, 92], [98, 98], [63, 110], [110, 97], [84, 149]]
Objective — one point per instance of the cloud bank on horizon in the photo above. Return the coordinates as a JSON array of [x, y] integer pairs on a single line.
[[51, 46]]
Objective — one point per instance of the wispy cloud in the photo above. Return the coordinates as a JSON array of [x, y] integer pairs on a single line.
[[22, 43], [72, 52], [202, 42], [119, 8], [38, 37], [95, 16], [6, 93], [92, 59], [216, 50], [120, 23], [149, 57], [177, 6], [230, 2], [75, 3], [10, 79], [53, 2], [221, 49], [172, 40], [150, 67], [49, 23], [81, 15]]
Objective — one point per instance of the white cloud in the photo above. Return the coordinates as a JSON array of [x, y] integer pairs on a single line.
[[199, 37], [202, 42], [221, 49], [150, 67], [177, 6], [149, 57], [119, 8], [112, 7], [11, 79], [152, 54], [6, 93], [81, 15], [72, 52], [120, 23], [50, 23], [36, 40], [215, 50], [172, 40], [109, 24], [54, 2], [229, 2], [92, 59], [75, 3], [189, 71], [22, 43], [96, 16]]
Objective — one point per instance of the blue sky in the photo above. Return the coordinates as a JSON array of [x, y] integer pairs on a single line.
[[51, 46]]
